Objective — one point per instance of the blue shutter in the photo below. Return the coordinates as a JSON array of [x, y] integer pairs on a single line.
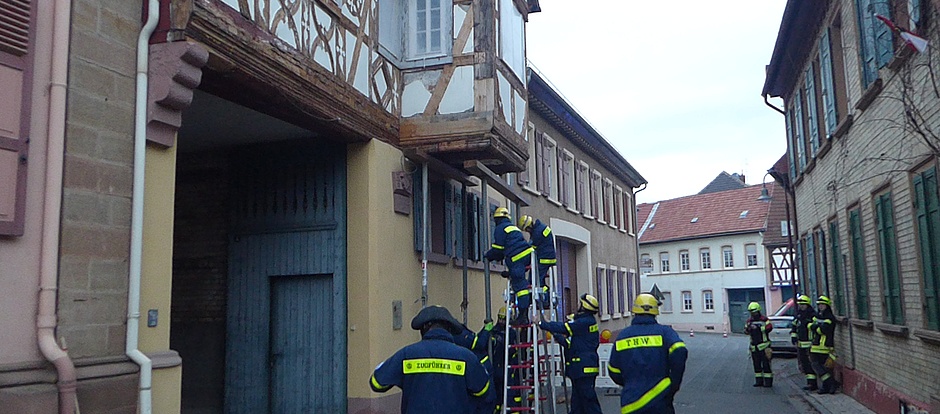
[[828, 87], [884, 41], [460, 222], [791, 148], [798, 129], [812, 117], [915, 13], [418, 208], [866, 40]]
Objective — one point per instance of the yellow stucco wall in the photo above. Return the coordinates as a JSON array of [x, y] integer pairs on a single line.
[[383, 267], [157, 272]]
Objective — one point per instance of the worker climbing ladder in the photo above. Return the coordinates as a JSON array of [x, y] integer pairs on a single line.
[[536, 361]]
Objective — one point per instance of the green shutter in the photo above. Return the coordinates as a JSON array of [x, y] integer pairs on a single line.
[[889, 264], [928, 230], [823, 263], [812, 117], [836, 267], [827, 84], [858, 265], [791, 147], [811, 266], [798, 129]]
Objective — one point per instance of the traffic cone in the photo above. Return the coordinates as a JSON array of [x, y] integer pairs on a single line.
[[724, 334], [691, 333]]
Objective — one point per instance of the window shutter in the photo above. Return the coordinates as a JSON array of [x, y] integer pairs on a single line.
[[925, 207], [449, 219], [473, 227], [798, 129], [884, 41], [16, 68], [867, 39], [460, 224], [539, 163], [837, 273], [828, 86], [791, 148], [811, 265], [891, 261], [812, 117], [915, 13], [418, 208], [546, 166], [858, 264]]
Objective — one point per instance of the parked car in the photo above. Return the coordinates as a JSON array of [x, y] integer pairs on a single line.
[[780, 335]]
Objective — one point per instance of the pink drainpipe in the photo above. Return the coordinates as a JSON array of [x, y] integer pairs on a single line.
[[46, 318]]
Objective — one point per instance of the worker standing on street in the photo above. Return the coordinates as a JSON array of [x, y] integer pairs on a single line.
[[648, 361], [543, 241], [820, 353], [434, 374], [580, 339], [510, 246], [758, 327], [802, 337]]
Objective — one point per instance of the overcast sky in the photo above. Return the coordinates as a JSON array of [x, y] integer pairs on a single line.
[[674, 86]]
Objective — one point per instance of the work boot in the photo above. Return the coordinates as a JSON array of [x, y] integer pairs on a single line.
[[769, 382], [521, 319], [810, 385], [758, 382], [824, 389]]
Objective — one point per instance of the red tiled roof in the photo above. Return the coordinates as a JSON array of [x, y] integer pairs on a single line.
[[717, 213]]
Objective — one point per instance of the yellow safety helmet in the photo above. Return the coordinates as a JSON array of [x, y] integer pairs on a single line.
[[526, 222], [502, 313], [824, 300], [589, 303], [802, 300], [753, 307], [646, 304], [501, 212]]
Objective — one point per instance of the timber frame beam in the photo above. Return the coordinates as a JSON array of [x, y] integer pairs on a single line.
[[513, 193]]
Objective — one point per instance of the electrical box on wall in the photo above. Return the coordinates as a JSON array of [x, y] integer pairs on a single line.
[[401, 192], [396, 315]]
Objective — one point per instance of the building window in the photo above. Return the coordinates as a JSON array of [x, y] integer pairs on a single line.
[[617, 219], [751, 251], [566, 174], [858, 264], [667, 303], [706, 258], [595, 194], [664, 262], [611, 272], [799, 134], [511, 37], [686, 301], [812, 116], [580, 188], [528, 179], [927, 214], [708, 301], [646, 264], [832, 77], [628, 211], [599, 276], [784, 228], [455, 218], [604, 215], [684, 260], [545, 166], [876, 45], [728, 256], [429, 29], [887, 243], [621, 291], [17, 65], [809, 243], [837, 270], [822, 262]]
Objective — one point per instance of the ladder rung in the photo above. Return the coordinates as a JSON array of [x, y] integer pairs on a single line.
[[520, 409], [521, 345], [521, 387], [518, 366]]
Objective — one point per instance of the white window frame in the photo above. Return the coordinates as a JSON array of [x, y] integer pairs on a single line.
[[595, 194], [684, 261], [708, 298], [687, 305], [551, 166], [666, 306], [727, 260], [748, 255], [602, 295], [412, 58], [784, 228], [650, 257], [702, 259], [622, 208], [531, 170], [664, 265], [511, 48], [607, 208]]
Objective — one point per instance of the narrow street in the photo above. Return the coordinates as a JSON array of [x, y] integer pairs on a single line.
[[718, 379]]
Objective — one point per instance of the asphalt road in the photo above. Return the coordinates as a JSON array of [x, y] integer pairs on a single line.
[[719, 378]]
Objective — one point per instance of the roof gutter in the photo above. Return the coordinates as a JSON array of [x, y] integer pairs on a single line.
[[766, 102]]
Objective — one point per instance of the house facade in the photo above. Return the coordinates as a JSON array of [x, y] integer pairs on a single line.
[[266, 185], [704, 255], [861, 120], [583, 189]]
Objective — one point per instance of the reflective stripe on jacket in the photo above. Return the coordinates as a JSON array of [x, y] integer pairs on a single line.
[[508, 244], [823, 327], [544, 243], [758, 328]]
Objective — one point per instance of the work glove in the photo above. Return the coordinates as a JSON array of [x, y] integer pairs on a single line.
[[488, 324], [504, 274]]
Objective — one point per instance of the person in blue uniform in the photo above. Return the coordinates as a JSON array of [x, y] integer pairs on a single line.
[[510, 246], [435, 374], [580, 339], [758, 327], [478, 343], [648, 361], [543, 241]]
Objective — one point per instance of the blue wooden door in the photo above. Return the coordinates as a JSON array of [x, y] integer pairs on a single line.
[[299, 305], [286, 329]]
